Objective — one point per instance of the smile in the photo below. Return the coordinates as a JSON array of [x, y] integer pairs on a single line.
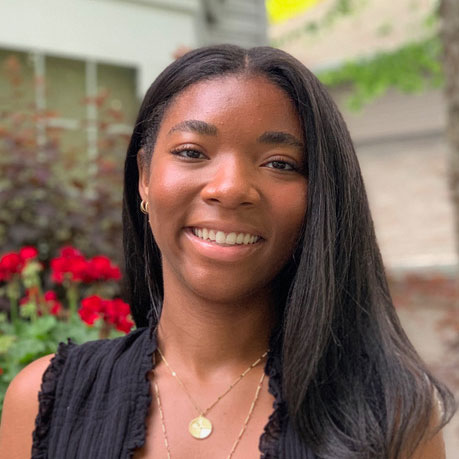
[[220, 237]]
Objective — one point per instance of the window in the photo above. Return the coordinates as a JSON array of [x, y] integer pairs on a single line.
[[84, 103]]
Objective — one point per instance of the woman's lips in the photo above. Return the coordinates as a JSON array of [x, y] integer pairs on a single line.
[[221, 251], [224, 237]]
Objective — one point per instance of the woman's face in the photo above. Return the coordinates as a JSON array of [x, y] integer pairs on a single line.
[[225, 187]]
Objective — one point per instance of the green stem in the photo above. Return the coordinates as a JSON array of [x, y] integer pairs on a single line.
[[14, 310], [72, 298], [13, 293], [104, 331]]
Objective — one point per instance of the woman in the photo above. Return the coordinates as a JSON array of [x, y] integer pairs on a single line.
[[250, 251]]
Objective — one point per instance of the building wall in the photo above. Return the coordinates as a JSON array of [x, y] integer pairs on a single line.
[[140, 34], [143, 34], [240, 22], [403, 154]]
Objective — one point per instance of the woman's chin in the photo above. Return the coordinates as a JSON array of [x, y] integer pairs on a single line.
[[213, 289], [225, 295]]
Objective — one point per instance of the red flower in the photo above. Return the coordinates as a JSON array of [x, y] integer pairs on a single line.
[[53, 304], [90, 309], [100, 267], [116, 313], [69, 265], [10, 264], [55, 309], [115, 310], [69, 252], [78, 269], [25, 299], [125, 325], [1, 370], [50, 295], [28, 252]]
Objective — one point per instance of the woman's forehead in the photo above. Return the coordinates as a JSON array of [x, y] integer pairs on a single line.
[[247, 102]]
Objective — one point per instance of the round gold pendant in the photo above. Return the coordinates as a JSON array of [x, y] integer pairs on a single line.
[[200, 427]]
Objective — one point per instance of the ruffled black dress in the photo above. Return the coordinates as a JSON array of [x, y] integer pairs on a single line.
[[95, 397]]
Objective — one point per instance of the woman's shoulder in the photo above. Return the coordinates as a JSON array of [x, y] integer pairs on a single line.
[[23, 398], [30, 397], [26, 384], [29, 378], [20, 409]]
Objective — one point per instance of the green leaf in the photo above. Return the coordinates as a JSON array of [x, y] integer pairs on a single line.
[[411, 68], [28, 310], [41, 327], [6, 341], [27, 350]]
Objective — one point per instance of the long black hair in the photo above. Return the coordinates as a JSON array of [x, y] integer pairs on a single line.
[[353, 384]]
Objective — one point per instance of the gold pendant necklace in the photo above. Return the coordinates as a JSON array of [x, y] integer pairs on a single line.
[[241, 432], [201, 426]]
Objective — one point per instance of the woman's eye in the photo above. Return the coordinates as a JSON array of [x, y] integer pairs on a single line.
[[188, 153], [281, 165]]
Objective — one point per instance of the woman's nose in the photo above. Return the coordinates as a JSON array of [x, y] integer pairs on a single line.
[[232, 183]]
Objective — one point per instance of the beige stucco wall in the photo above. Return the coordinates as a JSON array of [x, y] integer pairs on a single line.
[[404, 159], [375, 25]]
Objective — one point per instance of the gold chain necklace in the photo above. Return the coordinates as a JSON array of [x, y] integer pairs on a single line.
[[241, 433], [201, 427]]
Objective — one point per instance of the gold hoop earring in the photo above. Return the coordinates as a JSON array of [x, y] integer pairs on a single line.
[[144, 207]]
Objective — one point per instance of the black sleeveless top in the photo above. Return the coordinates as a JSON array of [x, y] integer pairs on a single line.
[[95, 397]]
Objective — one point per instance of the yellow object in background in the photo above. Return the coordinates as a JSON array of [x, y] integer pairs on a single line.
[[280, 10]]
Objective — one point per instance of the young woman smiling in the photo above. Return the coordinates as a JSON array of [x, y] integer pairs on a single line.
[[250, 252]]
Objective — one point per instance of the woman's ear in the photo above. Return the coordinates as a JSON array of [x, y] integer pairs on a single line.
[[143, 174]]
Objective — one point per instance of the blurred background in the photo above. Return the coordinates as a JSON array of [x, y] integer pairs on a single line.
[[73, 73]]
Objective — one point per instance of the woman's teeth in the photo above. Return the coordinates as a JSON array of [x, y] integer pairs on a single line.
[[225, 238]]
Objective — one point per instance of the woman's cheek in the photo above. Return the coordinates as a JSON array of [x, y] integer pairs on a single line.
[[169, 198], [291, 209]]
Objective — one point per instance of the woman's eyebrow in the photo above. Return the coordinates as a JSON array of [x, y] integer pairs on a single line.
[[203, 128], [199, 127], [280, 138]]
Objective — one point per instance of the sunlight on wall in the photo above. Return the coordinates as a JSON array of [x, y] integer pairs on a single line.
[[280, 10]]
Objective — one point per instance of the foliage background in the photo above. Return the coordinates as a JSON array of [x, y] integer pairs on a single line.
[[50, 196]]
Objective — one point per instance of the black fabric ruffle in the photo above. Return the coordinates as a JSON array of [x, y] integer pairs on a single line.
[[46, 399], [144, 398], [95, 399], [270, 439]]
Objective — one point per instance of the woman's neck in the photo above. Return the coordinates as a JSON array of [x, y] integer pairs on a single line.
[[203, 336]]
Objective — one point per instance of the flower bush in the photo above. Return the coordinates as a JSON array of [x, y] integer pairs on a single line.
[[81, 305], [52, 193]]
